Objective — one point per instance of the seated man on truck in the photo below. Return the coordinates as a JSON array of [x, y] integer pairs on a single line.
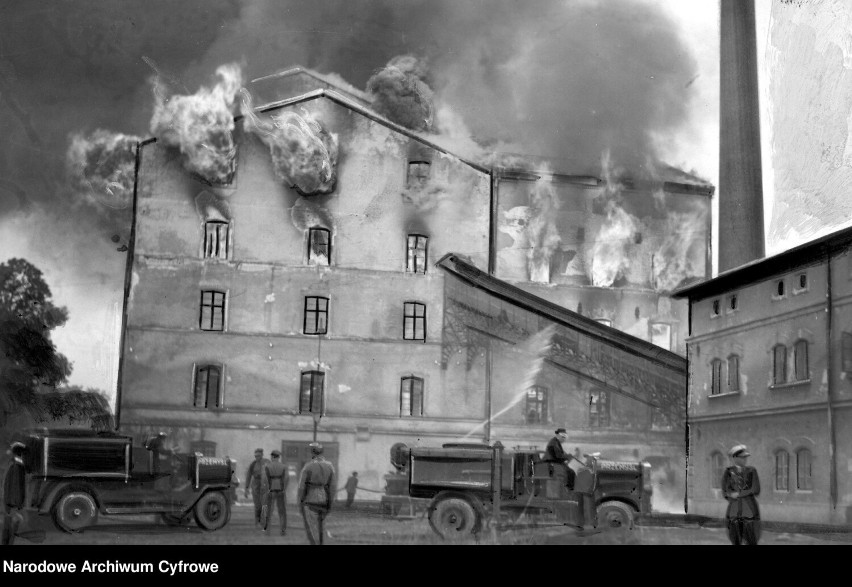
[[554, 453]]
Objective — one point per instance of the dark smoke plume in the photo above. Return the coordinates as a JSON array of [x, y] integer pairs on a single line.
[[401, 93]]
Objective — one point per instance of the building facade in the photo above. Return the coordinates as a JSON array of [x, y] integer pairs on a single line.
[[770, 360]]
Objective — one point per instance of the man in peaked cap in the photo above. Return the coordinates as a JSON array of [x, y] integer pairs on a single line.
[[256, 481], [316, 493], [741, 486], [276, 481], [14, 493]]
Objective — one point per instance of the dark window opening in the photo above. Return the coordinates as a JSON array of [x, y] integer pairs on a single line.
[[800, 359], [599, 409], [215, 239], [319, 246], [733, 302], [779, 362], [716, 377], [316, 315], [208, 379], [733, 373], [310, 392], [535, 407], [411, 396], [414, 321], [212, 310], [804, 473], [780, 288], [803, 281], [715, 307], [416, 253]]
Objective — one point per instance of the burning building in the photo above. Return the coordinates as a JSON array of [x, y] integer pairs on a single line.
[[351, 280]]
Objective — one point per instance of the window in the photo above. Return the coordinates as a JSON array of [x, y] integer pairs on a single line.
[[803, 281], [319, 246], [717, 469], [779, 288], [779, 362], [733, 303], [599, 409], [212, 310], [715, 377], [418, 173], [208, 384], [205, 447], [215, 239], [716, 307], [804, 476], [316, 315], [310, 392], [661, 335], [416, 254], [782, 470], [847, 352], [535, 408], [581, 234], [733, 373], [411, 396], [800, 360], [414, 326]]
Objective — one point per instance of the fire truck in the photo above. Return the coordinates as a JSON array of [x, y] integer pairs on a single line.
[[464, 487], [75, 475]]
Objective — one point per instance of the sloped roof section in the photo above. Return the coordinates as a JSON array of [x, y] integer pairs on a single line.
[[279, 83]]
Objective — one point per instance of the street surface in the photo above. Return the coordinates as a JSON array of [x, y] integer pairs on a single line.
[[364, 525]]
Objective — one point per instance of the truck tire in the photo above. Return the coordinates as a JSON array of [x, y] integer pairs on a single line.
[[75, 511], [454, 519], [212, 511], [615, 515]]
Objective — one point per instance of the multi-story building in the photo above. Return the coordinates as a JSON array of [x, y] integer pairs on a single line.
[[770, 366], [259, 314]]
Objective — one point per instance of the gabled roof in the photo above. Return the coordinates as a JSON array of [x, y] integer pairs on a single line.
[[469, 273], [335, 81], [806, 254]]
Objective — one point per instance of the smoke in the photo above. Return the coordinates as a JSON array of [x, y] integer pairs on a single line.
[[402, 94], [102, 166], [210, 207], [542, 233], [304, 154], [306, 213], [680, 255], [201, 125]]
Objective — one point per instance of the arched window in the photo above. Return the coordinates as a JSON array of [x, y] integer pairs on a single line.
[[733, 373], [779, 364], [804, 473], [782, 470], [715, 377], [717, 469], [800, 359]]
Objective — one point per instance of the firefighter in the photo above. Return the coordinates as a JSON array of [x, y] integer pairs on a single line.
[[554, 453], [741, 486], [256, 482], [276, 479], [14, 494], [315, 493]]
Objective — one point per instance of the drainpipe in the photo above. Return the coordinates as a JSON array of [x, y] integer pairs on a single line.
[[832, 455]]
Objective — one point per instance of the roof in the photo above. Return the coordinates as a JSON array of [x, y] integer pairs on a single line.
[[809, 253], [469, 273], [333, 80]]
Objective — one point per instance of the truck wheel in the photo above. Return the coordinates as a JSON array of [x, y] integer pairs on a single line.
[[75, 511], [453, 519], [615, 515], [212, 511]]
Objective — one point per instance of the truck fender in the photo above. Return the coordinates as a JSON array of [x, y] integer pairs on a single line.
[[199, 493], [61, 487]]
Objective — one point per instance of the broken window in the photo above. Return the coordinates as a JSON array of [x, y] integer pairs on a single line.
[[416, 256], [319, 246], [316, 315], [216, 239], [599, 409], [661, 335], [310, 392], [208, 381], [779, 364], [212, 310], [411, 396], [418, 173], [414, 325], [535, 408]]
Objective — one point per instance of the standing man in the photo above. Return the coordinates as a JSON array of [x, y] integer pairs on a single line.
[[741, 486], [276, 481], [315, 493], [255, 481], [351, 487], [14, 494]]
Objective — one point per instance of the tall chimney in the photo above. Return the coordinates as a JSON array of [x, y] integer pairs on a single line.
[[740, 186]]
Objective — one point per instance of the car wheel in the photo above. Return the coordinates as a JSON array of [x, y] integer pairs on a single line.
[[212, 511], [615, 515], [75, 511], [454, 519]]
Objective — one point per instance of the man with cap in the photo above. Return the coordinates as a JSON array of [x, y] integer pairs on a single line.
[[315, 493], [554, 453], [741, 486], [256, 481], [14, 493], [276, 481]]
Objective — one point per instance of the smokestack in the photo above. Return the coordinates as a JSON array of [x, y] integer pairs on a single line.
[[740, 187]]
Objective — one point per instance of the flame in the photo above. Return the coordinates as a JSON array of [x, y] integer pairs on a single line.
[[102, 165], [304, 154], [201, 125], [400, 93], [680, 255], [610, 256], [542, 233]]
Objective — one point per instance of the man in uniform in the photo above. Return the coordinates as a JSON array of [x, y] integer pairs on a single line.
[[351, 487], [741, 486], [276, 480], [315, 493], [554, 453], [14, 494], [256, 482]]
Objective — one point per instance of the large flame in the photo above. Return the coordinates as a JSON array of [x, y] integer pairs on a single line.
[[680, 255], [102, 166], [542, 233], [304, 154], [401, 93], [201, 125]]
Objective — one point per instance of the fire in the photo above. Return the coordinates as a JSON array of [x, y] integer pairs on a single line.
[[304, 154], [680, 255], [201, 125], [542, 233], [102, 165], [610, 256], [401, 93]]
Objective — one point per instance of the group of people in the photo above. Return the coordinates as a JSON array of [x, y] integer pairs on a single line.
[[268, 481]]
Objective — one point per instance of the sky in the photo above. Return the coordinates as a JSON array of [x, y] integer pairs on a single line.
[[568, 79]]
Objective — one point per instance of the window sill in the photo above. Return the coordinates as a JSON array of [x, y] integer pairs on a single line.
[[726, 394], [797, 292], [791, 384], [804, 491], [778, 298]]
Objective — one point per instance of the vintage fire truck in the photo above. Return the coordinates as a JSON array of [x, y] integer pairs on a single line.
[[456, 485], [75, 475]]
